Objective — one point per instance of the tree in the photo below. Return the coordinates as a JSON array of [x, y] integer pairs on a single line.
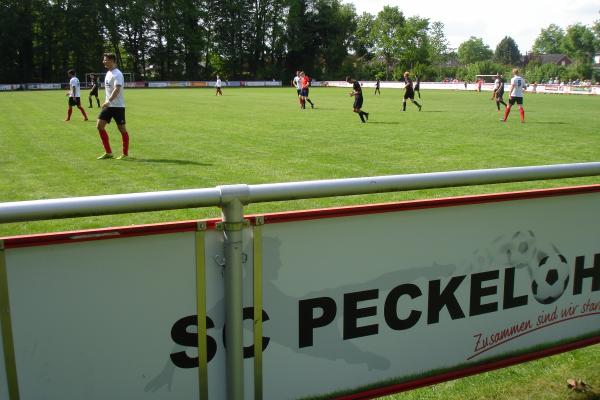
[[364, 43], [549, 41], [507, 52], [388, 35], [579, 43], [416, 42], [333, 26], [298, 40], [438, 44], [474, 50]]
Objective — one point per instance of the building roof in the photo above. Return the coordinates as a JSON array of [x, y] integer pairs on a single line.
[[557, 59]]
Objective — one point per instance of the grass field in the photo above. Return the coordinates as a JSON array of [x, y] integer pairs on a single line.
[[188, 138]]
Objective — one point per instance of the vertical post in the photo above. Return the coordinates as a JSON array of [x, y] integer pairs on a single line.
[[6, 330], [258, 307], [201, 310], [233, 220]]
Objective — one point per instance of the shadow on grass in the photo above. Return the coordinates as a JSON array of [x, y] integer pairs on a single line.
[[383, 122], [166, 161], [546, 123], [588, 396]]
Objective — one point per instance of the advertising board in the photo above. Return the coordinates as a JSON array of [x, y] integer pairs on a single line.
[[382, 297]]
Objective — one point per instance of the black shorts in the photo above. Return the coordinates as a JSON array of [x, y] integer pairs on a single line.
[[358, 102], [499, 95], [74, 101], [512, 100], [298, 91], [108, 113], [94, 91], [409, 94]]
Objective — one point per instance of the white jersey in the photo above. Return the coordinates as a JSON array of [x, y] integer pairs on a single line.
[[519, 86], [218, 84], [113, 79], [496, 83], [74, 87], [297, 82]]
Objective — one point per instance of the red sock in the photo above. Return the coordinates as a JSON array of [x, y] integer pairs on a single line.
[[125, 137], [105, 141], [522, 112], [506, 112], [83, 112], [69, 112]]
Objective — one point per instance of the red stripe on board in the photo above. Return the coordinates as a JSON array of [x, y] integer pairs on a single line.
[[461, 373], [289, 216], [103, 234]]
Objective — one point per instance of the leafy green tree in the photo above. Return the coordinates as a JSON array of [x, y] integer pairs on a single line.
[[364, 43], [438, 45], [474, 50], [388, 35], [16, 43], [507, 52], [416, 42], [333, 26], [300, 51], [579, 43], [549, 41]]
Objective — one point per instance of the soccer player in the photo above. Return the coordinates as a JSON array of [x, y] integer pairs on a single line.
[[377, 84], [113, 107], [418, 85], [218, 86], [298, 85], [74, 96], [358, 99], [409, 92], [94, 90], [304, 87], [498, 91], [517, 87]]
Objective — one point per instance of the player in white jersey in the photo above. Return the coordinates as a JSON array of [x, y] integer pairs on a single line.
[[218, 86], [113, 107], [517, 87], [297, 83], [74, 96]]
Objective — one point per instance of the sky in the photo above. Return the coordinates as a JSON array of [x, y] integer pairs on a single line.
[[492, 21]]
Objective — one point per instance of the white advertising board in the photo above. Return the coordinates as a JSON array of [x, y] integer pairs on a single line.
[[377, 296]]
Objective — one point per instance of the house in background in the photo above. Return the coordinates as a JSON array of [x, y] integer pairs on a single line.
[[556, 59]]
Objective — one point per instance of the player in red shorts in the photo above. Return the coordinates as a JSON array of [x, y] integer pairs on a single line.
[[74, 96]]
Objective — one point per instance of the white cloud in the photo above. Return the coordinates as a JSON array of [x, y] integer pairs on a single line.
[[492, 21]]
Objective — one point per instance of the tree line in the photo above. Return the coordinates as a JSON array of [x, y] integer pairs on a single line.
[[251, 39]]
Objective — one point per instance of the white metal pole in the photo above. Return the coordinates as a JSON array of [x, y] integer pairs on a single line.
[[178, 199], [232, 198]]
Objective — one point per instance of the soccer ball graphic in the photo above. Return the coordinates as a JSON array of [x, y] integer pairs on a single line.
[[550, 278], [521, 249]]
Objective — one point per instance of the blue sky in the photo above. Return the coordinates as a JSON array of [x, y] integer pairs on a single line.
[[492, 21]]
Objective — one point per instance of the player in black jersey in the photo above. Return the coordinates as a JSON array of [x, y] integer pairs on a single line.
[[409, 92], [94, 90], [498, 91], [358, 99]]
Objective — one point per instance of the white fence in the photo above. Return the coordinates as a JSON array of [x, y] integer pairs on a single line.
[[541, 88]]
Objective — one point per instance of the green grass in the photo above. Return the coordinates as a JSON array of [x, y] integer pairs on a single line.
[[188, 138]]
